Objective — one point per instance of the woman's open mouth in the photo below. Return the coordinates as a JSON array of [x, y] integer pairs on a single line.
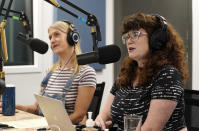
[[131, 49]]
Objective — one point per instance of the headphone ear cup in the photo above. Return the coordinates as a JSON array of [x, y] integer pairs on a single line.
[[73, 37], [158, 40]]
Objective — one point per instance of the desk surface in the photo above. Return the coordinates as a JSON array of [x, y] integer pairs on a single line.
[[19, 115], [23, 120]]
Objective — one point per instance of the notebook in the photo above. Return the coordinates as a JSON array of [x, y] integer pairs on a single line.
[[55, 113]]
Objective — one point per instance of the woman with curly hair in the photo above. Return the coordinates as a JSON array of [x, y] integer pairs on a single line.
[[152, 77]]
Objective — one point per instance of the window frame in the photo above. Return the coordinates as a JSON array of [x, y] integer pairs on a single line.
[[38, 65]]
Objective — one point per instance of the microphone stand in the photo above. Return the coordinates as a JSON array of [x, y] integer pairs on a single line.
[[2, 73], [24, 19], [4, 47], [90, 21]]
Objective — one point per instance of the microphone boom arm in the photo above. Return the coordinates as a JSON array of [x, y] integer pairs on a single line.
[[23, 18], [26, 24], [91, 20]]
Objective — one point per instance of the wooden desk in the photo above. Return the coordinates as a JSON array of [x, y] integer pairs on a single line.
[[23, 120]]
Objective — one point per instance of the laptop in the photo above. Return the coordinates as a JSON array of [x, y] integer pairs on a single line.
[[55, 114]]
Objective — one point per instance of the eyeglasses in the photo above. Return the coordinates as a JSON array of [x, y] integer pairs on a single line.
[[133, 35]]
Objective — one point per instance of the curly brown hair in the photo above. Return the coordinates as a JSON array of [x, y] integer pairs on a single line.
[[173, 53]]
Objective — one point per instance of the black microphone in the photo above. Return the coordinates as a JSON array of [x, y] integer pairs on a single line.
[[34, 43], [104, 55]]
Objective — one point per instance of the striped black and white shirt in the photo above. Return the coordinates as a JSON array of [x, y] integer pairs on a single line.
[[136, 100], [59, 78]]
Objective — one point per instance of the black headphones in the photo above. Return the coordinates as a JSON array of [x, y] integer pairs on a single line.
[[72, 36], [158, 38]]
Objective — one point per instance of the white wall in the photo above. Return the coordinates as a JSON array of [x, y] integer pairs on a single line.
[[107, 74], [195, 46]]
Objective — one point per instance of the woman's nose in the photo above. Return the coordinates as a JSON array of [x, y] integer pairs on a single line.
[[130, 41], [52, 39]]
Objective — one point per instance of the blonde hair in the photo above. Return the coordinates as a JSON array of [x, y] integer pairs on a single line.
[[65, 27]]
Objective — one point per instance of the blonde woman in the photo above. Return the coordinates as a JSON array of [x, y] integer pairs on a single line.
[[81, 80]]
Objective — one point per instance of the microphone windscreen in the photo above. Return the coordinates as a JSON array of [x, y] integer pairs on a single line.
[[109, 54], [87, 58], [38, 45]]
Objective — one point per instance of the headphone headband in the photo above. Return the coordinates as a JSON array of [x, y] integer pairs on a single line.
[[72, 36], [70, 24], [162, 21]]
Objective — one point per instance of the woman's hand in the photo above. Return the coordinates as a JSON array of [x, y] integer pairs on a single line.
[[103, 120], [101, 123]]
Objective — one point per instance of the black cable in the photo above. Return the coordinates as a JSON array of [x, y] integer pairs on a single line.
[[8, 9], [5, 15], [99, 37], [67, 11], [17, 12], [76, 7], [2, 4]]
